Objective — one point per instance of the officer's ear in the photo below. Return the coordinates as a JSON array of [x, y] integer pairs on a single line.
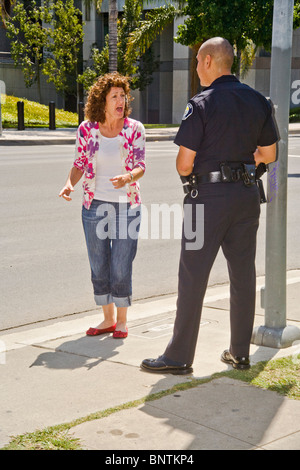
[[207, 61]]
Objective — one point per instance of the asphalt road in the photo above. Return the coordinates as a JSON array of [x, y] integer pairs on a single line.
[[44, 271]]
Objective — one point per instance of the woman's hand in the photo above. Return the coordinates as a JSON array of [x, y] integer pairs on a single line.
[[73, 178], [65, 192], [119, 181]]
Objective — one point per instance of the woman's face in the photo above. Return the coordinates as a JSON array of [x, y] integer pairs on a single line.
[[115, 103]]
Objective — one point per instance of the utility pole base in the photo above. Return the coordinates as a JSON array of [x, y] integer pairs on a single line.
[[276, 337]]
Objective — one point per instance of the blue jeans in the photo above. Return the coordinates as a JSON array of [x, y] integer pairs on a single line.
[[111, 232]]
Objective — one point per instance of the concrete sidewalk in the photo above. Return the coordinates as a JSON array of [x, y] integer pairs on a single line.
[[43, 136], [51, 373]]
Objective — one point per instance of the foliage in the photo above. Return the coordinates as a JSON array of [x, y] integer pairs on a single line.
[[29, 37], [35, 114], [278, 375], [247, 24], [3, 11], [294, 114], [66, 37], [155, 21], [237, 20], [296, 14], [138, 66], [46, 39]]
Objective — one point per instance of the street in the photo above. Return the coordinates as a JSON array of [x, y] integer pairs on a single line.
[[44, 269]]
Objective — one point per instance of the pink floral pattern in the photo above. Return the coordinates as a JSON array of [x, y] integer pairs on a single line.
[[132, 153]]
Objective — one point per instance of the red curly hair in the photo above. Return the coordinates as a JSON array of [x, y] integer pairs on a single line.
[[95, 106]]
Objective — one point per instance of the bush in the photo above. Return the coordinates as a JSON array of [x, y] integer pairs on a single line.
[[295, 115], [35, 114]]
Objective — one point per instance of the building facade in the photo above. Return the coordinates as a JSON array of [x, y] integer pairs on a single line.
[[164, 100]]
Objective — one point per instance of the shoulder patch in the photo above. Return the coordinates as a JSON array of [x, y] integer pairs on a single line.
[[188, 111]]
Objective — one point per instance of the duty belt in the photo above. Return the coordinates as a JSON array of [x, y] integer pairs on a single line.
[[227, 174]]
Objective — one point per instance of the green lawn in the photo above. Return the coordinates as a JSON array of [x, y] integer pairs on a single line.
[[35, 114]]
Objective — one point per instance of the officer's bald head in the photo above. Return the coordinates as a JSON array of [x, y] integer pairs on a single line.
[[220, 50]]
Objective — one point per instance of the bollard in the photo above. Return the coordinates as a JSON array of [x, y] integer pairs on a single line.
[[20, 106], [80, 113], [0, 118], [52, 116], [2, 101]]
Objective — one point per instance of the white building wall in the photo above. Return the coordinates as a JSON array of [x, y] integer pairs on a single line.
[[165, 99], [89, 29], [181, 77], [258, 76]]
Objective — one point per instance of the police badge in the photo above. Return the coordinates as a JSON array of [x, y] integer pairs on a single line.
[[188, 111]]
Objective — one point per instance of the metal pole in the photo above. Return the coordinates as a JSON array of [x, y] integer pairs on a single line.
[[275, 333]]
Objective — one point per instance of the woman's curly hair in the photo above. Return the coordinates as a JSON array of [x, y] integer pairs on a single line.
[[95, 106]]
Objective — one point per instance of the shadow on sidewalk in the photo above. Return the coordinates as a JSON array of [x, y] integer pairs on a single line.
[[223, 414], [82, 352]]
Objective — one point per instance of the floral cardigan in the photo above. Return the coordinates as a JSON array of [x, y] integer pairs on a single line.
[[132, 154]]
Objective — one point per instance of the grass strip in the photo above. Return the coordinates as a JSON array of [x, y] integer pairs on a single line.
[[279, 375], [35, 114]]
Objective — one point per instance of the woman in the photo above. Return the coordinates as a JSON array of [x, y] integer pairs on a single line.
[[110, 153]]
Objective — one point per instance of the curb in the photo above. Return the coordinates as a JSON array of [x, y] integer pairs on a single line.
[[36, 142], [6, 141]]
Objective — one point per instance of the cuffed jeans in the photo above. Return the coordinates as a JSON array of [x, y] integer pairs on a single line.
[[111, 232]]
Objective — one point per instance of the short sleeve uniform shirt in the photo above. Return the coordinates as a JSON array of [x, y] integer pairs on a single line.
[[226, 122]]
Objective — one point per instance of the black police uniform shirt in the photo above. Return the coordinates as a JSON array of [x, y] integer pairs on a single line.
[[226, 122]]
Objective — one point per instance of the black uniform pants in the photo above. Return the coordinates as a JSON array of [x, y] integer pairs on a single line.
[[231, 217]]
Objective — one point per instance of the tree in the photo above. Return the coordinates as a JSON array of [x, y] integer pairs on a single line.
[[46, 39], [135, 36], [63, 49], [29, 37], [242, 22], [112, 28], [138, 66], [141, 38], [247, 24], [4, 10], [113, 35]]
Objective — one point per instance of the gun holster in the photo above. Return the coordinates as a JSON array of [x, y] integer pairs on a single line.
[[248, 174], [190, 184], [260, 170], [186, 184], [251, 176]]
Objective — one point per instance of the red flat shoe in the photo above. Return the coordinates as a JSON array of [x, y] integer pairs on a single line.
[[120, 334], [101, 331]]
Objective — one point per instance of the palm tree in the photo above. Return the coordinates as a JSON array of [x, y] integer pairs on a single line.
[[4, 13], [156, 20], [112, 28], [113, 35]]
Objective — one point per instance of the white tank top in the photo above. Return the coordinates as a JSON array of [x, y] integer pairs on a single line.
[[108, 164]]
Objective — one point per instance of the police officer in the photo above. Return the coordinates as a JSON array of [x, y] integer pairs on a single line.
[[226, 131]]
